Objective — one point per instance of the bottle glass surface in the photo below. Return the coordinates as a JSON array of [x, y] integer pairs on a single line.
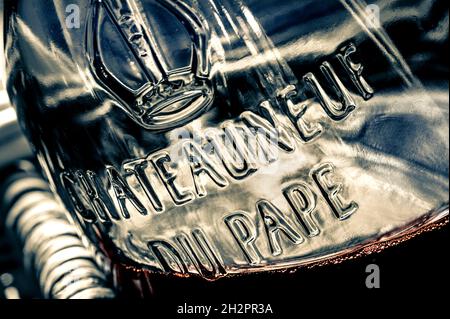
[[219, 137]]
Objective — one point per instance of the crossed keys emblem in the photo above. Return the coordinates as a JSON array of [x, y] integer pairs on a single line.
[[152, 57]]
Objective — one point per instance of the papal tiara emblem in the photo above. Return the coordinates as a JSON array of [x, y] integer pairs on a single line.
[[161, 82]]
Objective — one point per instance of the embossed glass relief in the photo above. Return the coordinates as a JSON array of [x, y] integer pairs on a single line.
[[155, 64], [222, 137]]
